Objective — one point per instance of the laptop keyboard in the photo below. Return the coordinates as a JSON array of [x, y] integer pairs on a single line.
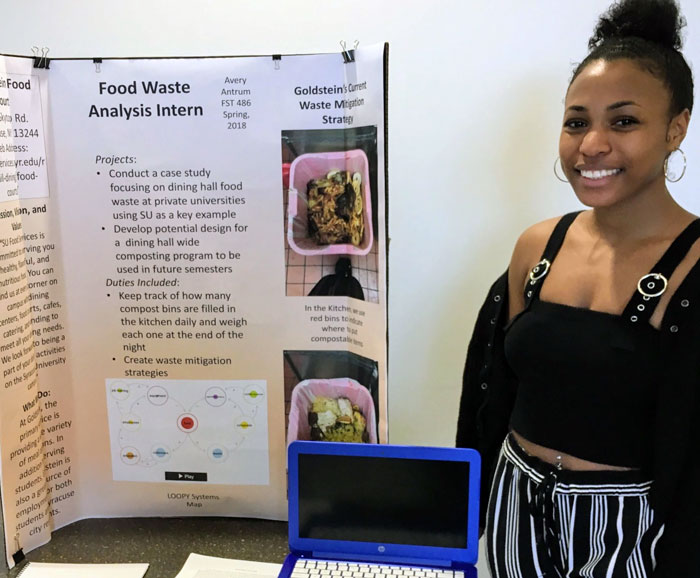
[[305, 568]]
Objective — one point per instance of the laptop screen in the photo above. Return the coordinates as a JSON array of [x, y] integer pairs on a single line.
[[375, 499], [382, 501]]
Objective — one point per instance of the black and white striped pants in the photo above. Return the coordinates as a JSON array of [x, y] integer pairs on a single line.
[[543, 522]]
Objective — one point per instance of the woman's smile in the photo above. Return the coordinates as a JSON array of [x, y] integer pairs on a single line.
[[596, 178], [597, 174]]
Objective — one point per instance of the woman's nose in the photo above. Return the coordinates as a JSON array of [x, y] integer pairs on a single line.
[[594, 142]]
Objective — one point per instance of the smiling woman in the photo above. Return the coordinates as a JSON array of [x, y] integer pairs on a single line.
[[588, 364], [617, 135]]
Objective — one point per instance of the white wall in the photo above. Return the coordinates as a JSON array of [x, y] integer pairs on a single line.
[[475, 103]]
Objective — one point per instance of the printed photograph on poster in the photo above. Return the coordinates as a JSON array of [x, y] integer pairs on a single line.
[[331, 396], [166, 430], [330, 200]]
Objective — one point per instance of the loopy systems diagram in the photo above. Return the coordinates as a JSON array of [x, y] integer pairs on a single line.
[[188, 431]]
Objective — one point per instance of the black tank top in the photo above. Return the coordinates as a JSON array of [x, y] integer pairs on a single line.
[[587, 380]]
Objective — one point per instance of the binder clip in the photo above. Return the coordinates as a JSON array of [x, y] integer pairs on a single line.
[[348, 55], [98, 64], [41, 60], [18, 556], [277, 58]]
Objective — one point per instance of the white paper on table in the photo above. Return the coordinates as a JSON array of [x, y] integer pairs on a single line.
[[198, 566], [48, 570]]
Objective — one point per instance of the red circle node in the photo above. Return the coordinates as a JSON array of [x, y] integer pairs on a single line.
[[187, 423]]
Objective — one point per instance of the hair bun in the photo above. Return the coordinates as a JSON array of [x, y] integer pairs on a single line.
[[658, 21]]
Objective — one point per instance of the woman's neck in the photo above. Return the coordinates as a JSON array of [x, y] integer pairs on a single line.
[[639, 219]]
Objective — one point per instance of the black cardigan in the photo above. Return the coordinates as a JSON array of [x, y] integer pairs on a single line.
[[488, 395]]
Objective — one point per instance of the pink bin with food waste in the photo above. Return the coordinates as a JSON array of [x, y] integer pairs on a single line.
[[313, 166], [308, 391]]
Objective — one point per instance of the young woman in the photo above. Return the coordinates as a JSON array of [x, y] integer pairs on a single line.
[[586, 354]]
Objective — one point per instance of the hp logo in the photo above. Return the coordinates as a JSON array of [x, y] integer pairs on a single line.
[[381, 549]]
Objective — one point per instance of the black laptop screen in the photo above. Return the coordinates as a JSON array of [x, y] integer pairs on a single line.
[[387, 500]]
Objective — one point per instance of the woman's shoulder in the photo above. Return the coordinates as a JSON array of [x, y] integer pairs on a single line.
[[530, 245], [526, 254], [536, 236]]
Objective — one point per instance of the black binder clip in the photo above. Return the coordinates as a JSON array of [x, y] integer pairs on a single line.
[[98, 64], [18, 556], [41, 60], [277, 58], [348, 55]]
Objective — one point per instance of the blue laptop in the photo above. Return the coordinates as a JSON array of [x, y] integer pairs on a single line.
[[368, 510]]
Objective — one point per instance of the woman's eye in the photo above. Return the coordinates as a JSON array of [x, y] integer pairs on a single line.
[[625, 122], [574, 124]]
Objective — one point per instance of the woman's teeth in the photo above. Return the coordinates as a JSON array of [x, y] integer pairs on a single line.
[[599, 174]]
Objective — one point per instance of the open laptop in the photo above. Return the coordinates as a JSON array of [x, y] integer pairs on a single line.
[[364, 509]]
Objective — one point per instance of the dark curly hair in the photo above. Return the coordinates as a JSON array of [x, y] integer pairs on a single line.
[[647, 32]]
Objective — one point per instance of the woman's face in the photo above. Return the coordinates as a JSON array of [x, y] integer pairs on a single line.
[[617, 133]]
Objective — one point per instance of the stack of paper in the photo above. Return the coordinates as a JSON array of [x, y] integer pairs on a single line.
[[43, 570]]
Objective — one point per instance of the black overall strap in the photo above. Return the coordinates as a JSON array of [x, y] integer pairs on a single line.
[[652, 285], [539, 271]]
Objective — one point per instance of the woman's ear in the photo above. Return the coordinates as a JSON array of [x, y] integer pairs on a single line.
[[677, 129]]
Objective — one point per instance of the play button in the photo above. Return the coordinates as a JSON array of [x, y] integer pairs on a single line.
[[186, 476]]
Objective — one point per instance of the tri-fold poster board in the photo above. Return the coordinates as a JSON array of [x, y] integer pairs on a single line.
[[193, 272]]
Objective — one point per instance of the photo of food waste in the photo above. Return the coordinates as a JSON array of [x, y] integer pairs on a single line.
[[330, 198], [329, 210], [337, 420], [334, 209], [330, 406]]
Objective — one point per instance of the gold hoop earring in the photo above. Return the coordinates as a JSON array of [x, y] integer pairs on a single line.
[[671, 177], [556, 174]]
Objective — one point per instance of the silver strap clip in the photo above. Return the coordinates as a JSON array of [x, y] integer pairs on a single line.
[[649, 285], [539, 271]]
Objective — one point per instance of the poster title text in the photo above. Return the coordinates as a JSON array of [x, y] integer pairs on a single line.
[[141, 110], [341, 103]]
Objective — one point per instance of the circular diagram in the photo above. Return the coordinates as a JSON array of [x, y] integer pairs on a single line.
[[157, 395], [130, 456], [254, 394], [119, 391], [161, 452], [187, 422], [131, 422], [215, 396], [217, 428]]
